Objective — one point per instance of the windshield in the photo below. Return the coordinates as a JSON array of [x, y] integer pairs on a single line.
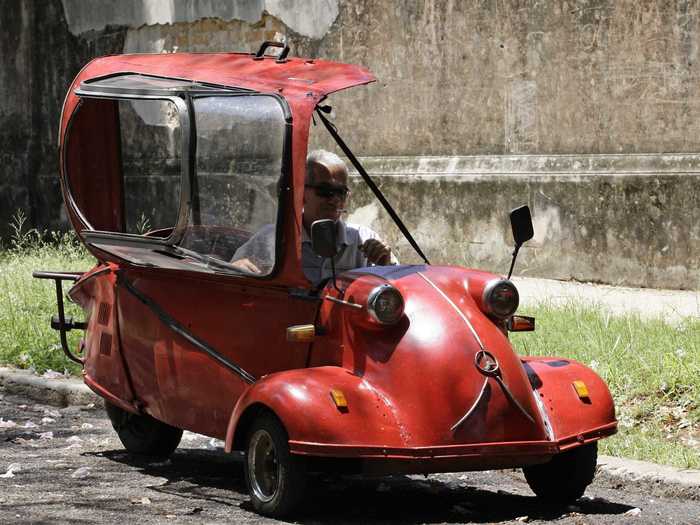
[[240, 148]]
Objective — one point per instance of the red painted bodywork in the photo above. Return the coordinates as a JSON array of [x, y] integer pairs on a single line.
[[406, 385]]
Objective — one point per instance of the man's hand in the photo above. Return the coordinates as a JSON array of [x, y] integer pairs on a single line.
[[246, 265], [376, 252]]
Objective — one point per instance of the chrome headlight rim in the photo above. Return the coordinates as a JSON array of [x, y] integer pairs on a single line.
[[488, 300], [373, 298]]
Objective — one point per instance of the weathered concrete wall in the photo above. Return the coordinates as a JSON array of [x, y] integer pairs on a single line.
[[455, 78], [493, 77], [516, 84], [39, 58], [621, 219]]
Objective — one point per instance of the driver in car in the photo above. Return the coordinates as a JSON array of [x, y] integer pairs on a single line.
[[325, 196]]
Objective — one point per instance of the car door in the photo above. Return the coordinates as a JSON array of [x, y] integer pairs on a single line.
[[196, 173]]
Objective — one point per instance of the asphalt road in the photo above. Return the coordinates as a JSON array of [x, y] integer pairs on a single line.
[[67, 466]]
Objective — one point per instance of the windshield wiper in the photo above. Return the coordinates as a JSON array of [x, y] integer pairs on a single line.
[[183, 253], [372, 186]]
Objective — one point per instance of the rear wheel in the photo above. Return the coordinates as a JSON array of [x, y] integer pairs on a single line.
[[142, 434], [276, 479], [565, 477]]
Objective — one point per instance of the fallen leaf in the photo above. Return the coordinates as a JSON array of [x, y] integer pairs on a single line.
[[81, 473], [14, 467], [7, 424], [215, 443]]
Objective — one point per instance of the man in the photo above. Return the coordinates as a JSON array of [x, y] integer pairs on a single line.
[[325, 195]]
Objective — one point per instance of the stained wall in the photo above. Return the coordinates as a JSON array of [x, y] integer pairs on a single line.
[[550, 95]]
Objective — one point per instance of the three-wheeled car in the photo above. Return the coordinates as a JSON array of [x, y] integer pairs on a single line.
[[168, 164]]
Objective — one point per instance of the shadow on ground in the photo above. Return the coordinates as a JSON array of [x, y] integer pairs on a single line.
[[212, 476]]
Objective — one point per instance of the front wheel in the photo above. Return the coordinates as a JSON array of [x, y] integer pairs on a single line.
[[142, 434], [565, 477], [276, 479]]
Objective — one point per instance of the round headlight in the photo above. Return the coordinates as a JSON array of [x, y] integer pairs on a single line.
[[500, 298], [385, 304]]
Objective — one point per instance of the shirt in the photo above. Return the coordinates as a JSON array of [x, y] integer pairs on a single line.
[[260, 249]]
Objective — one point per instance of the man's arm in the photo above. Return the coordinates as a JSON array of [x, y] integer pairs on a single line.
[[257, 255], [246, 265], [377, 252], [374, 249]]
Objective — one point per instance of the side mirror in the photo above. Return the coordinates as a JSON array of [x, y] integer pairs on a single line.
[[323, 238], [521, 224]]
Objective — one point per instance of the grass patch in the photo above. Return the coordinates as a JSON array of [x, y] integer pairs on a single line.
[[27, 304], [651, 366]]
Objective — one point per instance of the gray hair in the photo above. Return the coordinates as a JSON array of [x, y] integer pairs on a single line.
[[321, 157]]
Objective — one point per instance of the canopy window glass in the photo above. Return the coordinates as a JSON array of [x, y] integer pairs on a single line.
[[240, 145], [173, 167], [124, 163]]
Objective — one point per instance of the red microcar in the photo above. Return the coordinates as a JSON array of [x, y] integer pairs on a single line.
[[169, 163]]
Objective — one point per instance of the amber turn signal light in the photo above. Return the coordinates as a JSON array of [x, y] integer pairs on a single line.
[[521, 323], [339, 399], [301, 333], [581, 389]]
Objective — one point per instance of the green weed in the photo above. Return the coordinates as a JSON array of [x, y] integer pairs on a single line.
[[26, 304], [651, 366]]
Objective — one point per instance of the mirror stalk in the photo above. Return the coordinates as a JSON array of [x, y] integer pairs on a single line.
[[335, 285], [512, 262]]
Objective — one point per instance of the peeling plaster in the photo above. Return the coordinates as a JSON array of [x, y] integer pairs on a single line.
[[310, 18]]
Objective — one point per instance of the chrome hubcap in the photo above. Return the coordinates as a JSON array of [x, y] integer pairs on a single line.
[[263, 465]]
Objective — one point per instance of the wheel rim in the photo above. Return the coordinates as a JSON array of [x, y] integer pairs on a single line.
[[263, 465]]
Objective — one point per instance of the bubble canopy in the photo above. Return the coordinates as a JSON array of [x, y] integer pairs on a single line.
[[160, 167], [192, 151]]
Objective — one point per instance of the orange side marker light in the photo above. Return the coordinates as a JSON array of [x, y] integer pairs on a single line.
[[339, 399], [581, 389], [302, 333], [521, 323]]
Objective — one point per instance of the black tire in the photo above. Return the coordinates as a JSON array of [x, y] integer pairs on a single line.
[[565, 477], [275, 478], [142, 434]]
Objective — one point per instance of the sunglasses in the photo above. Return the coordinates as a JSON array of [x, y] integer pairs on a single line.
[[327, 191]]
